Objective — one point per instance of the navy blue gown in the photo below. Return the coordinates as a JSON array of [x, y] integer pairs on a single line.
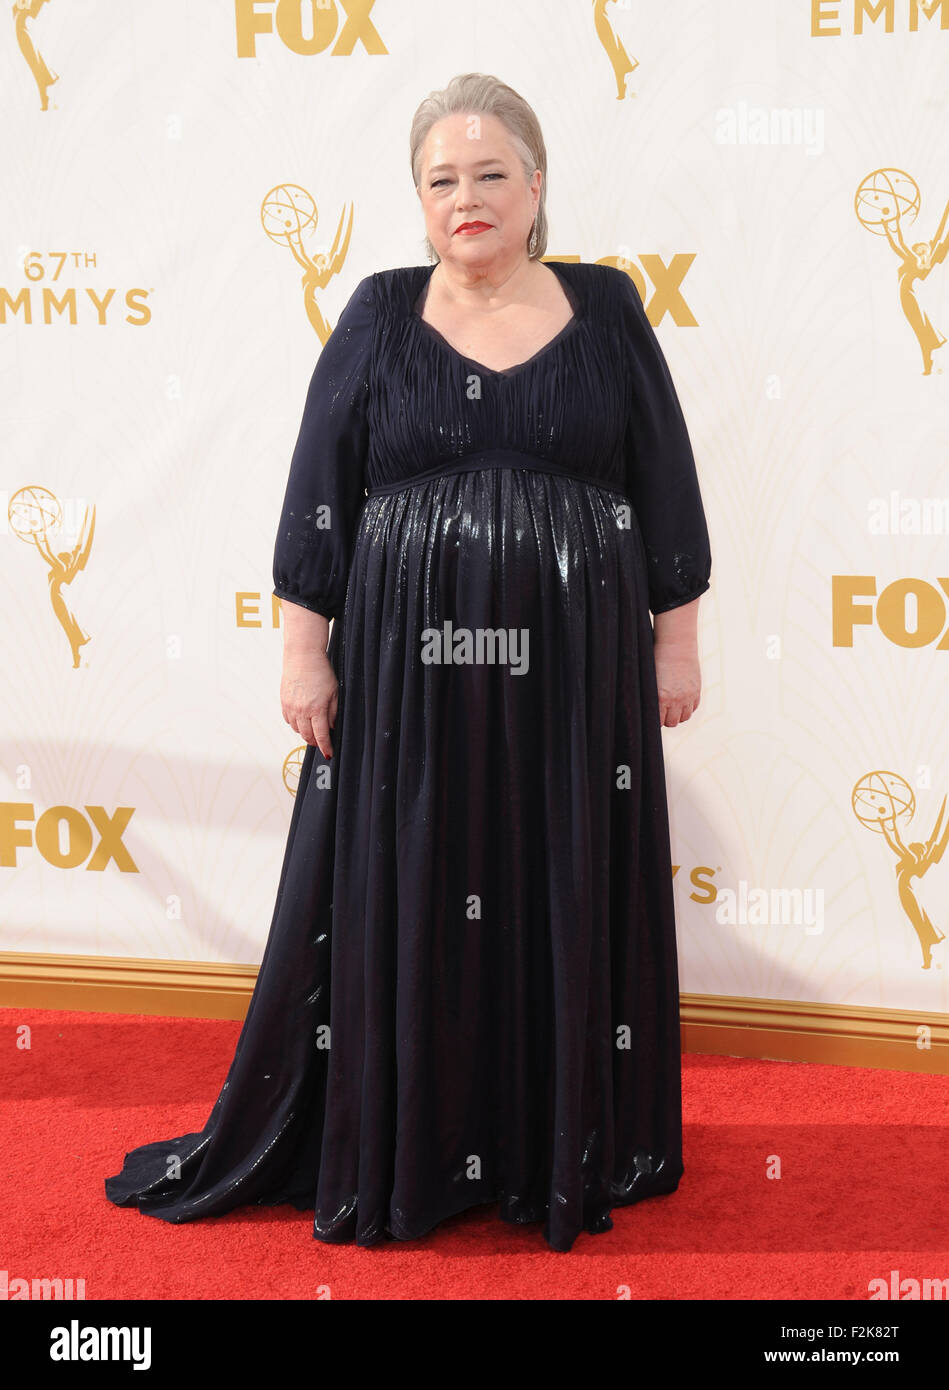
[[469, 992]]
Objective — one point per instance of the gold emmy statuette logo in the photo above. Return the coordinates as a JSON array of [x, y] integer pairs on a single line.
[[292, 764], [883, 201], [321, 775], [878, 799], [44, 78], [622, 63], [34, 515], [286, 213]]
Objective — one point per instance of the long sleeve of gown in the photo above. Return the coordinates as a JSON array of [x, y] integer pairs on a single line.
[[326, 486], [661, 476]]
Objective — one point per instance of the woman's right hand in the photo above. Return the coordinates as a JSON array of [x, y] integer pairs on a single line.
[[309, 695]]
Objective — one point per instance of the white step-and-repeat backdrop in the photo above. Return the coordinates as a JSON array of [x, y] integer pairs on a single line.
[[775, 178]]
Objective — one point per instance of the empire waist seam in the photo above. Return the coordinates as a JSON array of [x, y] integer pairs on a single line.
[[492, 458]]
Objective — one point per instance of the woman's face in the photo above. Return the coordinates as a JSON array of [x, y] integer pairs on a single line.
[[471, 173]]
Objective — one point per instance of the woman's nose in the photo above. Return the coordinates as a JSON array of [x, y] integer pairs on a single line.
[[467, 193]]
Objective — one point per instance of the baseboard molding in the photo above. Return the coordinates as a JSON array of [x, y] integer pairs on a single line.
[[776, 1029], [797, 1031], [123, 985]]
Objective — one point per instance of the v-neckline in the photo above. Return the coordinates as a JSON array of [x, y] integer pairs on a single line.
[[568, 288]]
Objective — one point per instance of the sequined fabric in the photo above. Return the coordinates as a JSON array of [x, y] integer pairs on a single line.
[[469, 992]]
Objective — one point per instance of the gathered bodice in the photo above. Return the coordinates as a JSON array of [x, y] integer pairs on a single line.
[[433, 407], [392, 404]]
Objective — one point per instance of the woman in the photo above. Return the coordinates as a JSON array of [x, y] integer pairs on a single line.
[[469, 992]]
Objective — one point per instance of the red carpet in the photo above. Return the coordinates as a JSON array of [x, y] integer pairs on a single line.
[[863, 1187]]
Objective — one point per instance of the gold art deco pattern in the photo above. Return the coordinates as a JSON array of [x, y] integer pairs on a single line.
[[775, 180]]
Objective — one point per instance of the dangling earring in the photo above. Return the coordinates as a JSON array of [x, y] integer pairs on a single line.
[[532, 244]]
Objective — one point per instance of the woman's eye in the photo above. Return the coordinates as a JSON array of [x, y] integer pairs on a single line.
[[495, 175]]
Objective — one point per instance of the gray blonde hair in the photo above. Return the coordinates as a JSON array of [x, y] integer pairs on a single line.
[[477, 94]]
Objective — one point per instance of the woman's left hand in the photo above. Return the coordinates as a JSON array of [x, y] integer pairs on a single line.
[[679, 678]]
